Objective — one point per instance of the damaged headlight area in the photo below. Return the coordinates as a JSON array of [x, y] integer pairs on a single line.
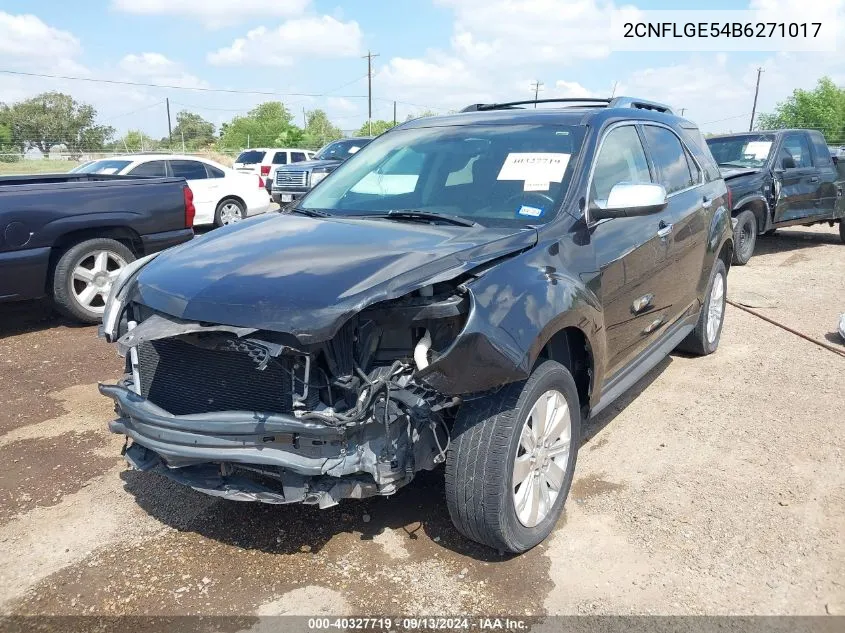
[[255, 415]]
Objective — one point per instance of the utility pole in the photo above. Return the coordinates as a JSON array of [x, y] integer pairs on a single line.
[[537, 84], [304, 119], [756, 92], [369, 57], [682, 111], [169, 129], [613, 93], [183, 142], [394, 114]]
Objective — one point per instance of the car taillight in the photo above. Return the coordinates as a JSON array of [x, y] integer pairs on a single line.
[[190, 209], [265, 170], [260, 182]]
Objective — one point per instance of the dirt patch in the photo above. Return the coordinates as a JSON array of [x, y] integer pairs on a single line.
[[41, 472], [48, 355], [233, 558], [590, 486]]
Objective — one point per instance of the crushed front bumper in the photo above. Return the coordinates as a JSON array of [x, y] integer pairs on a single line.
[[249, 456]]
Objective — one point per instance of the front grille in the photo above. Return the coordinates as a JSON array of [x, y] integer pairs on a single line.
[[289, 178], [184, 378]]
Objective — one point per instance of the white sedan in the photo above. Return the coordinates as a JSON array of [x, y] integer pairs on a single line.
[[221, 195]]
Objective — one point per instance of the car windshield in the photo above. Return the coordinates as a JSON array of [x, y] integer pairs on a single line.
[[250, 157], [496, 175], [748, 150], [341, 150], [105, 166]]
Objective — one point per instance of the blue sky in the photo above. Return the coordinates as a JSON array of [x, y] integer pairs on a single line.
[[435, 54]]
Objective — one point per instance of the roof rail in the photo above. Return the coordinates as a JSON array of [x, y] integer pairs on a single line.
[[511, 105], [642, 104], [618, 102]]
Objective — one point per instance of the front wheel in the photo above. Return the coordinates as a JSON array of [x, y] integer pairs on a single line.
[[512, 460], [745, 237]]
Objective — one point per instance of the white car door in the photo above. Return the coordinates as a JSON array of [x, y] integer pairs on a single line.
[[205, 189]]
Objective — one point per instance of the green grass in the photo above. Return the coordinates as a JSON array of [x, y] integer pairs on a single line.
[[23, 167]]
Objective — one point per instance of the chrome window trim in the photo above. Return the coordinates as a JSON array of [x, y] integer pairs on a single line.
[[607, 131]]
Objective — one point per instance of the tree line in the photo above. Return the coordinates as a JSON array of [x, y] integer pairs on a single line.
[[57, 121], [54, 119]]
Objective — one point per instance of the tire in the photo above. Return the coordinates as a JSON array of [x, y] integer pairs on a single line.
[[701, 342], [745, 237], [842, 230], [88, 268], [480, 493], [229, 211]]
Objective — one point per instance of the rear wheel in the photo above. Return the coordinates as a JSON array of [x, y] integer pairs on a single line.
[[745, 237], [512, 460], [704, 339], [84, 275], [229, 211]]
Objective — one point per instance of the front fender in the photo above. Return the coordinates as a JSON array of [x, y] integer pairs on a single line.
[[719, 233], [515, 308]]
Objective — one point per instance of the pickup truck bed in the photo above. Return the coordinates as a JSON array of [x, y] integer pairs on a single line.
[[68, 235]]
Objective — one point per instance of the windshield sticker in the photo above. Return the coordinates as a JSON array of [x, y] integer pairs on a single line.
[[532, 212], [353, 149], [534, 167], [758, 150], [538, 185]]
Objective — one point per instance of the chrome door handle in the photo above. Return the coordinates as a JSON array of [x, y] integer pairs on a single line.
[[664, 231], [706, 202]]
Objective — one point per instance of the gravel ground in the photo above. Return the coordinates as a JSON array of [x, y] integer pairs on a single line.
[[717, 486]]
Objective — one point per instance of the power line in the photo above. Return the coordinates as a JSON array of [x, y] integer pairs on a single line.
[[174, 87]]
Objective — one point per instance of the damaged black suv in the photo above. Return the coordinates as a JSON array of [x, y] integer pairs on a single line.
[[467, 289]]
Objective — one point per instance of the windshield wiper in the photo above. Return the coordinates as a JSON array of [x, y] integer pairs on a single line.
[[414, 215], [311, 213]]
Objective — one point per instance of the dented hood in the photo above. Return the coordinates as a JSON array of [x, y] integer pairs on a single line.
[[307, 276]]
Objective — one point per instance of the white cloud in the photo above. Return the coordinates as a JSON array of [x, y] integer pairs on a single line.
[[324, 37], [215, 13], [341, 105], [27, 38], [158, 69]]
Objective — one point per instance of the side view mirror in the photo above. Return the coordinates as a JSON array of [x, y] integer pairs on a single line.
[[628, 200], [787, 162]]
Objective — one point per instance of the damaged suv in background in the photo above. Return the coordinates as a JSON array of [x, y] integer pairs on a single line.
[[467, 290]]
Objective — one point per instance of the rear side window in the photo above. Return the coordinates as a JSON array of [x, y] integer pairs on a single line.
[[250, 157], [621, 159], [669, 158], [820, 149], [152, 168], [795, 152], [213, 172], [701, 150], [297, 157], [188, 169], [280, 158]]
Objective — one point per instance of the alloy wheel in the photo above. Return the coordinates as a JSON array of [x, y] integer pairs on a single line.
[[230, 213], [92, 279], [542, 456], [716, 308]]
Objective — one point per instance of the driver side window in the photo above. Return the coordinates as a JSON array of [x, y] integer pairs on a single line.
[[621, 159]]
